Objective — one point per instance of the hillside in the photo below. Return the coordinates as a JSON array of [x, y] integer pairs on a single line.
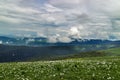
[[105, 52], [100, 68], [112, 51], [89, 54], [12, 53]]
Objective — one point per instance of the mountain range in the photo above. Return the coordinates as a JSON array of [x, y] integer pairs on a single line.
[[41, 41], [27, 49]]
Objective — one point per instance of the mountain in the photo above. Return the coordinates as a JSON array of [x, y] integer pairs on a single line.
[[22, 41], [25, 49], [41, 41], [13, 53]]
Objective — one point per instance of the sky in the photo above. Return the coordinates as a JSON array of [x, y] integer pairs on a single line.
[[61, 20]]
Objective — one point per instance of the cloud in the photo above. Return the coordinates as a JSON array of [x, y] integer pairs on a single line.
[[1, 42], [110, 7], [10, 19], [50, 8], [58, 20], [59, 38]]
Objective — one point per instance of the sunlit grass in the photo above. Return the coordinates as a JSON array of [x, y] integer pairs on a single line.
[[101, 68], [113, 51]]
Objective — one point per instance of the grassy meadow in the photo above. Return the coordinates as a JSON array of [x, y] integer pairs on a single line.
[[94, 68], [112, 51]]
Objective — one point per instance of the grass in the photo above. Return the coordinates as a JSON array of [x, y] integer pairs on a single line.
[[95, 68], [113, 51]]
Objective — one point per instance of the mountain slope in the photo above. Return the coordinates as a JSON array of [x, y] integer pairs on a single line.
[[25, 49], [26, 53], [112, 51]]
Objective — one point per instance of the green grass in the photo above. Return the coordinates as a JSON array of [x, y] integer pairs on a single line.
[[99, 68], [113, 51]]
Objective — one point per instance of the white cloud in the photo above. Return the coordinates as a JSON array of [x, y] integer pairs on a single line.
[[59, 38], [64, 39], [66, 18], [10, 19], [51, 8], [52, 39], [74, 30], [66, 3], [1, 42], [109, 7]]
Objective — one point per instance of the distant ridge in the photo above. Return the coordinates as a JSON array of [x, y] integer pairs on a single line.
[[41, 41], [25, 49]]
